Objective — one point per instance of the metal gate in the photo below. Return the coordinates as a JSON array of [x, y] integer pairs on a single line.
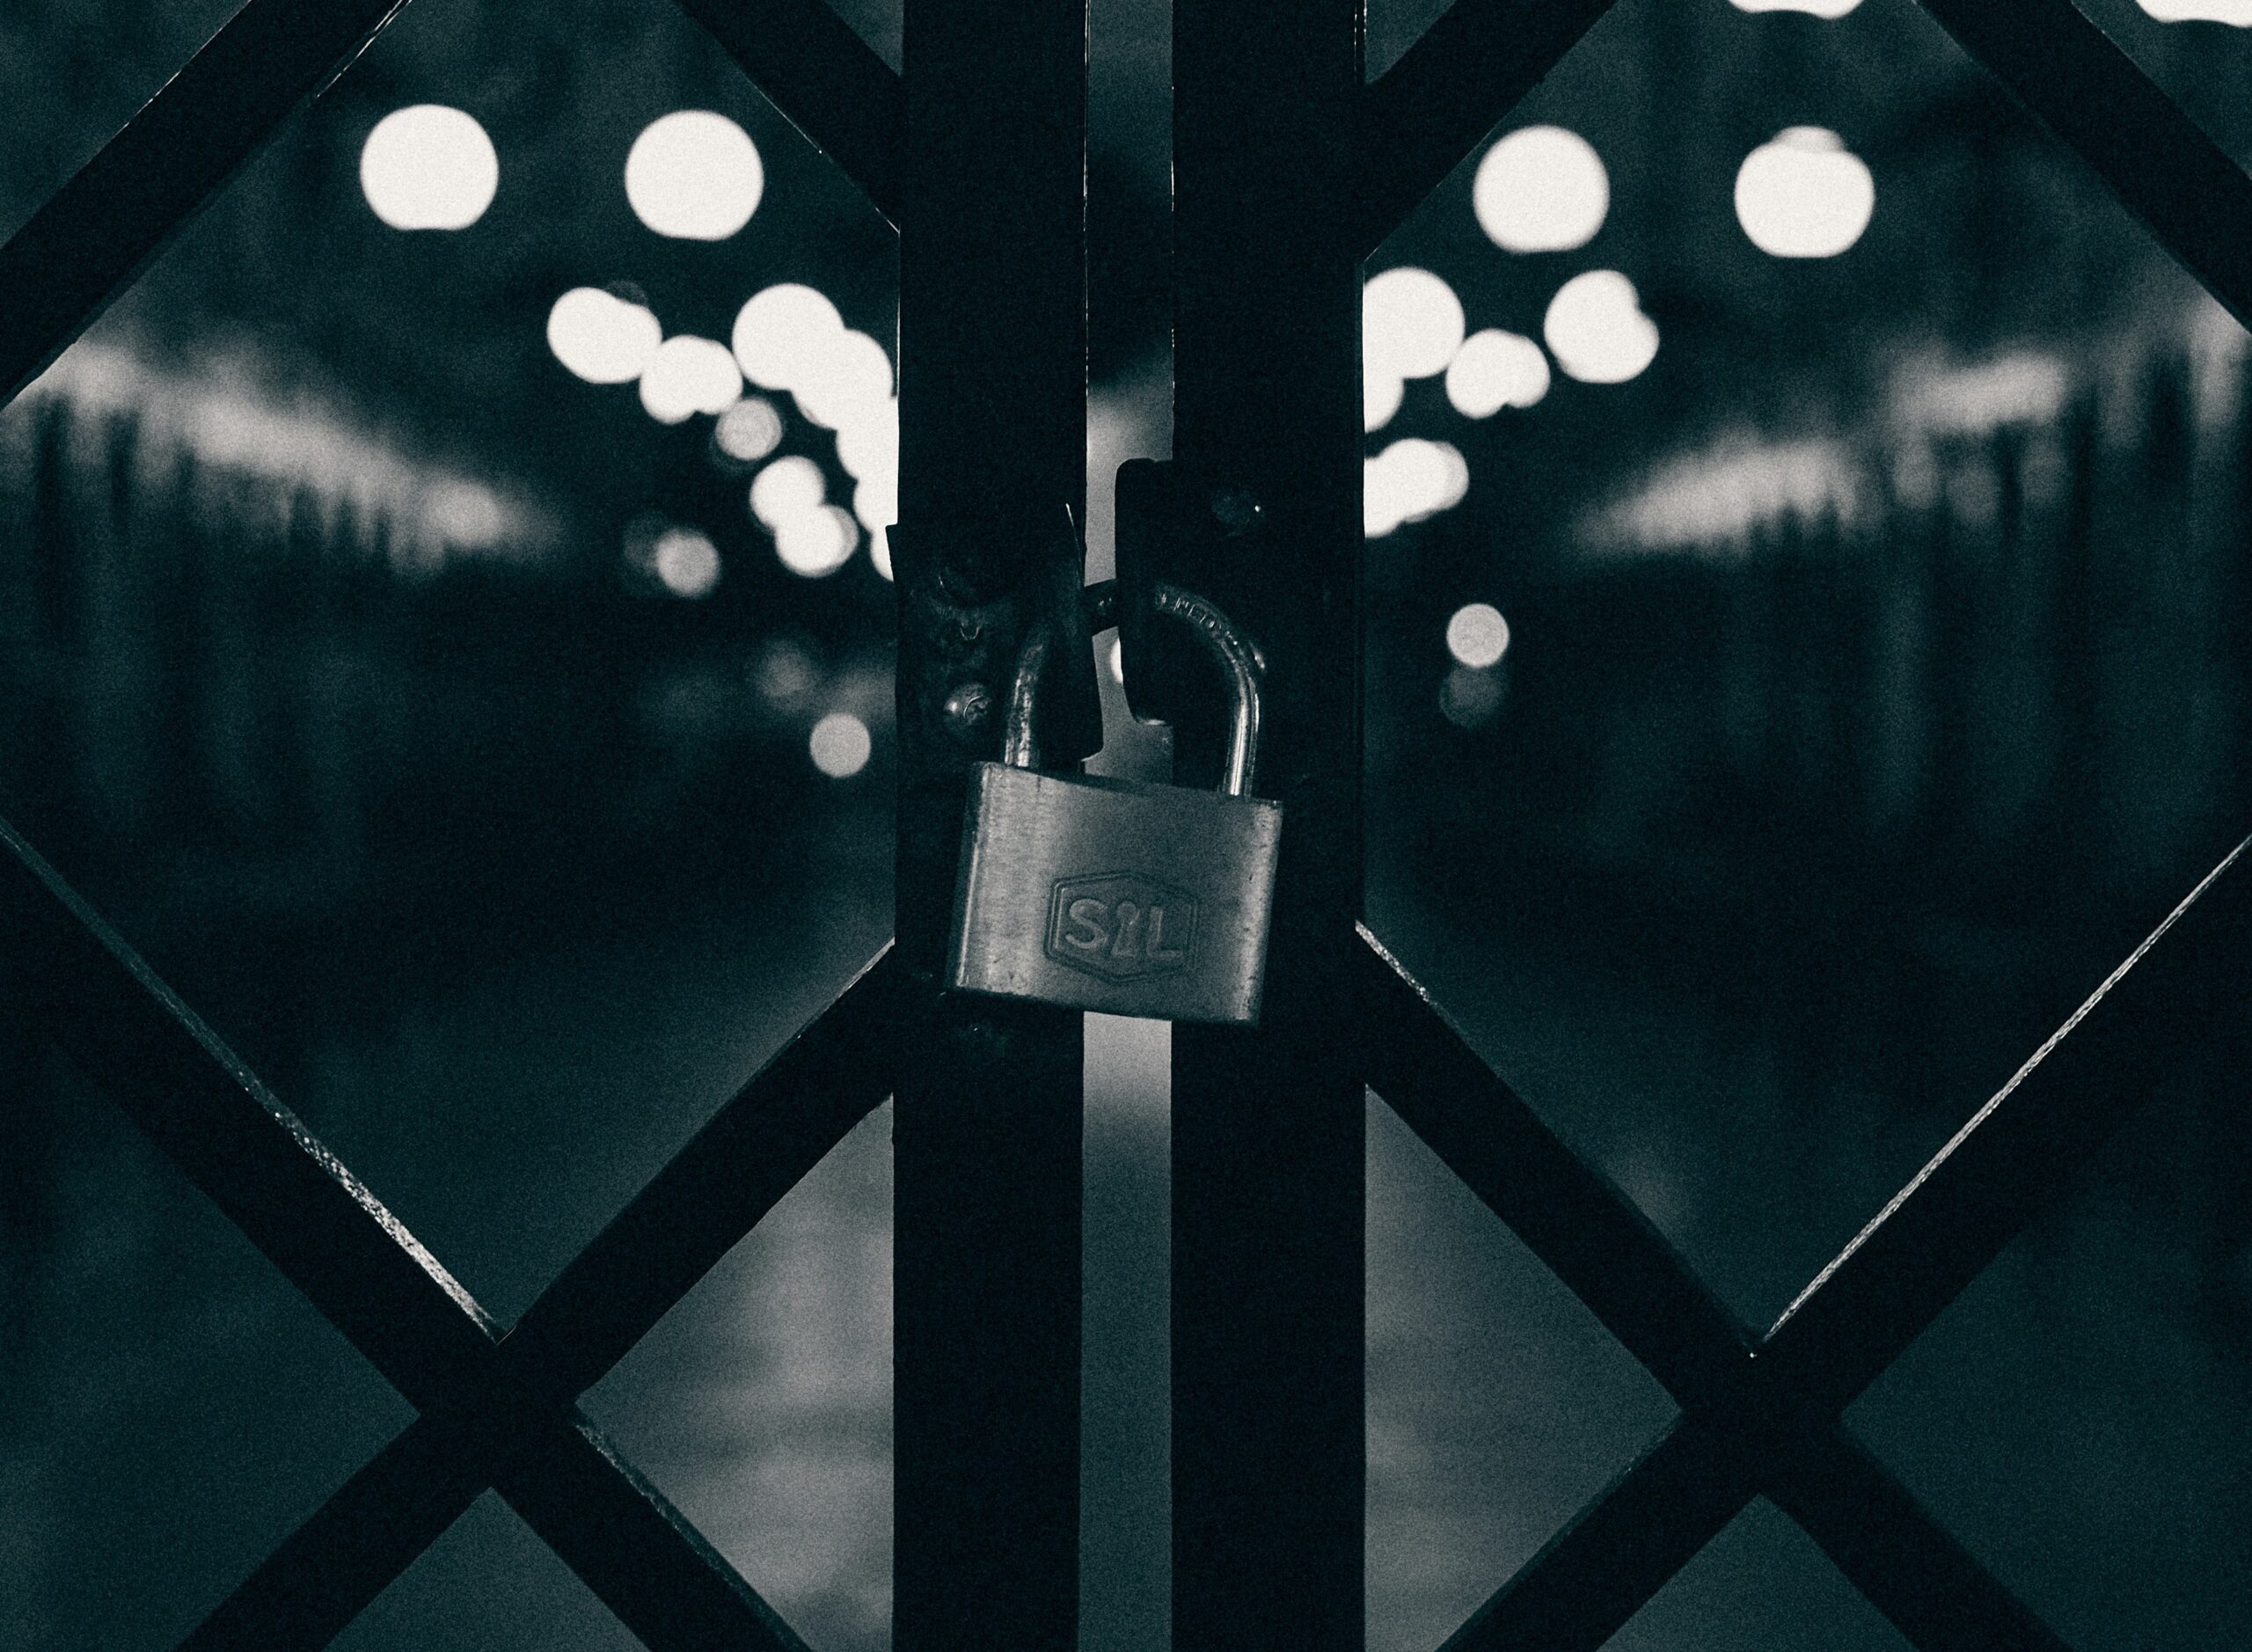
[[1288, 168]]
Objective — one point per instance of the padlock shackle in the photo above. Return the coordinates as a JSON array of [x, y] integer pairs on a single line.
[[1239, 666]]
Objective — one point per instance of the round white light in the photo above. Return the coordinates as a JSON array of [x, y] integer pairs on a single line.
[[1410, 480], [694, 175], [813, 544], [840, 745], [1495, 370], [688, 375], [687, 562], [880, 551], [1411, 324], [1477, 636], [786, 489], [1818, 8], [782, 333], [849, 378], [1381, 393], [601, 339], [1597, 330], [875, 501], [428, 167], [1804, 194], [748, 431], [868, 443], [2237, 13], [1542, 189]]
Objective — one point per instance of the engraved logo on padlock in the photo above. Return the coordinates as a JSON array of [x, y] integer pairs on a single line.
[[1122, 927], [1111, 895]]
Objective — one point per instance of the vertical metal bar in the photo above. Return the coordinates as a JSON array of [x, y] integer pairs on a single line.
[[1268, 1456], [987, 1133]]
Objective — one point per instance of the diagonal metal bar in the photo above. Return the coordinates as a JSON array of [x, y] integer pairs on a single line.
[[824, 79], [775, 1129], [2155, 158], [333, 1566], [1454, 85], [1744, 1427], [1909, 1565], [2021, 1149], [99, 230], [1620, 1550], [358, 1264], [328, 1235], [1590, 1234], [758, 1146], [640, 1554]]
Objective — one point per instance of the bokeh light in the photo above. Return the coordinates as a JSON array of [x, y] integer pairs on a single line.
[[847, 378], [1804, 194], [1542, 189], [867, 443], [694, 176], [1411, 324], [813, 544], [601, 338], [1381, 394], [428, 167], [2236, 13], [1470, 698], [748, 431], [1495, 370], [786, 489], [1477, 636], [783, 673], [686, 561], [1597, 330], [782, 332], [1410, 480], [840, 745], [875, 501], [1812, 8], [688, 375]]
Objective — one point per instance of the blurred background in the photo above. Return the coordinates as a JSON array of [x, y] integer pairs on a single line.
[[444, 621]]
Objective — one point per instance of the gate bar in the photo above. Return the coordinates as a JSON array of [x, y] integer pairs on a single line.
[[986, 1200], [97, 232], [1268, 1171]]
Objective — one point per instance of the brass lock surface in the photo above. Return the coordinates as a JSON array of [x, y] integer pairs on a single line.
[[1118, 895]]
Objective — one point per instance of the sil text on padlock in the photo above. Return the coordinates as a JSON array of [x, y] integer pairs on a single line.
[[1099, 894]]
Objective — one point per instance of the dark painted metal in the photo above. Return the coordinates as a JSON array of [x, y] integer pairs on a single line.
[[986, 1136], [332, 1568], [2024, 1149], [99, 230], [1620, 1550], [1455, 85], [1591, 1235], [333, 1239], [2155, 158], [638, 1554], [824, 79], [1268, 1126], [1772, 1424], [1905, 1562], [234, 1141], [720, 1186]]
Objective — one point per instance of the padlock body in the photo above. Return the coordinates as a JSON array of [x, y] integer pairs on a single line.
[[1098, 894]]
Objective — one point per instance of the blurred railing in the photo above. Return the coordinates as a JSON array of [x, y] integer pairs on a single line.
[[276, 696]]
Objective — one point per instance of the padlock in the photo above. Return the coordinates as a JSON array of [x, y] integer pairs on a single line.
[[1118, 895]]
